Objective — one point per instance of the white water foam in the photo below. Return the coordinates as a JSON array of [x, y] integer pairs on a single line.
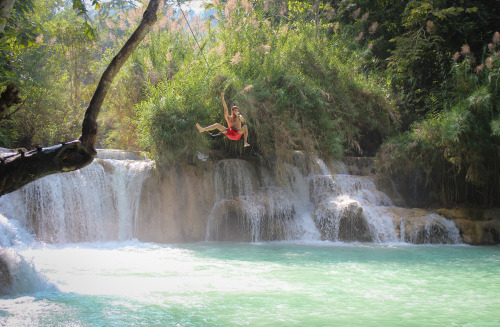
[[20, 276], [346, 196], [12, 234]]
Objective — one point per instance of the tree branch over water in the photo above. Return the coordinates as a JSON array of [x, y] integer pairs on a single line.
[[89, 128], [19, 168]]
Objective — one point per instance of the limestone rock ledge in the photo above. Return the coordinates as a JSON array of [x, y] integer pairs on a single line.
[[175, 205], [477, 226]]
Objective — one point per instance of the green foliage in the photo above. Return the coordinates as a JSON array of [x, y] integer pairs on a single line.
[[19, 33], [293, 86], [168, 118], [53, 75], [459, 148], [448, 107], [414, 41], [158, 59], [58, 71]]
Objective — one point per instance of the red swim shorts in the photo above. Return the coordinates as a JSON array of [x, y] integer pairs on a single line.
[[233, 134]]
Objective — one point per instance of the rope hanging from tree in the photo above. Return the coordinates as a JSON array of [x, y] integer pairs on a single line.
[[206, 61], [194, 36]]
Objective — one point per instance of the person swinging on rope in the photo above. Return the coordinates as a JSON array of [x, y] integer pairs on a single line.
[[234, 130]]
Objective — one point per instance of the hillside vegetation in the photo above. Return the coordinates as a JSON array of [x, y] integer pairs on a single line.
[[415, 83]]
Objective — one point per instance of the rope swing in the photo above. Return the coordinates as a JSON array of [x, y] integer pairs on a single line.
[[194, 36]]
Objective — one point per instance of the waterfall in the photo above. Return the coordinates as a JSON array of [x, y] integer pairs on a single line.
[[355, 201], [351, 208], [311, 203], [249, 206], [104, 202], [127, 181], [97, 203], [303, 224]]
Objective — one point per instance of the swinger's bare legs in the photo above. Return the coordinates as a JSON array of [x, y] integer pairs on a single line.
[[211, 128], [244, 131], [223, 130]]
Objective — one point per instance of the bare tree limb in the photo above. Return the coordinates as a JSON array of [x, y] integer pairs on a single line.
[[89, 127]]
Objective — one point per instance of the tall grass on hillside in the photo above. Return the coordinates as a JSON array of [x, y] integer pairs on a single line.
[[282, 66]]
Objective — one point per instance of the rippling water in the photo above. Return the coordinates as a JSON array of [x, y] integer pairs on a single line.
[[263, 284]]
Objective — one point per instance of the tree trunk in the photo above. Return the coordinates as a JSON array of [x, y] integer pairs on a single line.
[[19, 168], [5, 10]]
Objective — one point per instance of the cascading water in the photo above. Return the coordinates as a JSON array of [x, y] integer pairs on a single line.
[[244, 210], [127, 180], [352, 208], [353, 201], [97, 203], [312, 204], [102, 202]]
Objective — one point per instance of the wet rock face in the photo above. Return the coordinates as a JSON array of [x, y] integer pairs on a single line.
[[477, 226], [176, 205], [5, 277], [420, 226], [353, 226], [347, 224], [237, 220], [230, 223], [423, 231], [246, 208], [479, 232], [362, 166], [490, 235]]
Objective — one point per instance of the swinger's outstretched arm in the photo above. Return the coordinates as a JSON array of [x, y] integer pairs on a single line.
[[226, 112]]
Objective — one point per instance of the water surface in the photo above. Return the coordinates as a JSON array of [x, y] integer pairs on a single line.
[[259, 284]]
